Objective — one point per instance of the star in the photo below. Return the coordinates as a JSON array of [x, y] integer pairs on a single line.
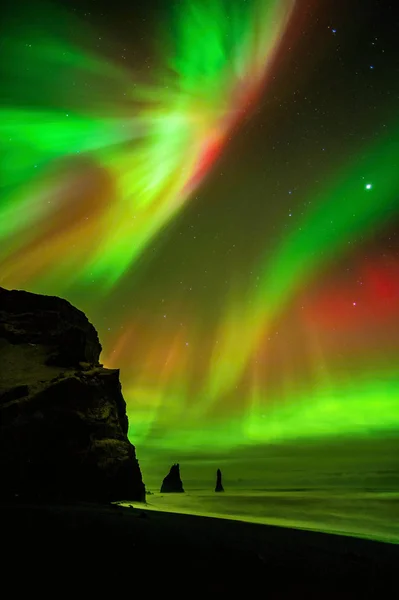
[[369, 186]]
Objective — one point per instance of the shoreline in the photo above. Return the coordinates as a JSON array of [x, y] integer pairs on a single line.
[[283, 524], [366, 516]]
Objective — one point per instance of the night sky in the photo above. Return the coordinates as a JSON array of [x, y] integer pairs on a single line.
[[215, 183]]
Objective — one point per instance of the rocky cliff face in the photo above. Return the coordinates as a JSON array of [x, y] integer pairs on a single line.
[[63, 422]]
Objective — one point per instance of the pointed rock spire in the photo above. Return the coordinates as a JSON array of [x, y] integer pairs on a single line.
[[172, 482], [219, 486]]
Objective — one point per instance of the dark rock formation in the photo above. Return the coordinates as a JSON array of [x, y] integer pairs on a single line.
[[48, 321], [63, 422], [219, 486], [172, 482]]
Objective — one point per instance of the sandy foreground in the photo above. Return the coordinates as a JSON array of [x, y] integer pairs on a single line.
[[102, 549]]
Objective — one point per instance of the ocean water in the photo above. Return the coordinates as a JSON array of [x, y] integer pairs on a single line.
[[369, 514]]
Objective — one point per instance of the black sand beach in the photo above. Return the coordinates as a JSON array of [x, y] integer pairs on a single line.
[[102, 549]]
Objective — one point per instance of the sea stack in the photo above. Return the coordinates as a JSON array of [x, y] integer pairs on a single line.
[[172, 483], [219, 486], [63, 421]]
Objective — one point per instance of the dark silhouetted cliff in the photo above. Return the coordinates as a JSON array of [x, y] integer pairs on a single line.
[[63, 422]]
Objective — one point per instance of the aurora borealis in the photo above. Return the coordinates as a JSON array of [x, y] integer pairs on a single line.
[[215, 183], [182, 117]]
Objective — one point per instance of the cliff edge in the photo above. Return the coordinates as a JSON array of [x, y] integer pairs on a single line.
[[63, 422]]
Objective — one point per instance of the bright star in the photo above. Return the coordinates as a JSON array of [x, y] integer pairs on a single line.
[[368, 186]]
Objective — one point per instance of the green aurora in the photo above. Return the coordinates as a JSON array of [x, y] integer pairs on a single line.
[[151, 195]]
